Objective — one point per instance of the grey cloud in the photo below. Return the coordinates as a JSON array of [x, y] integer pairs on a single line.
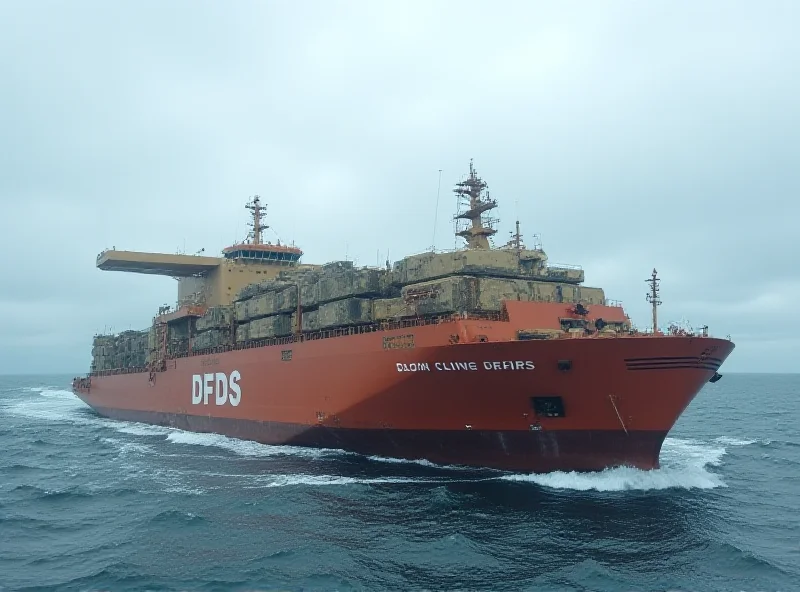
[[629, 136]]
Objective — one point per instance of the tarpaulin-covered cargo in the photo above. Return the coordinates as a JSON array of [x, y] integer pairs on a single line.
[[483, 263], [272, 326], [216, 317], [211, 338], [350, 311]]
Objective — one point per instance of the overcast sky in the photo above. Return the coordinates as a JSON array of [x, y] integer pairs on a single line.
[[629, 135]]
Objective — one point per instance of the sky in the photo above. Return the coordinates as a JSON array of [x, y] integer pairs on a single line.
[[628, 135]]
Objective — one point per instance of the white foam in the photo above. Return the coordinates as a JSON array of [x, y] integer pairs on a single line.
[[419, 461], [52, 393], [246, 447], [684, 465], [684, 462], [143, 429], [727, 441], [184, 490], [52, 405], [145, 476], [320, 480], [57, 405], [128, 447]]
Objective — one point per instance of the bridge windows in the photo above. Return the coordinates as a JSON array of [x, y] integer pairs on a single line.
[[279, 257]]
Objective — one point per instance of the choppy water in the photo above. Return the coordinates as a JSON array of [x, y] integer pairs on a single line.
[[93, 504]]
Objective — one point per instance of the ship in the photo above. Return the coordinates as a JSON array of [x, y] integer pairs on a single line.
[[481, 356]]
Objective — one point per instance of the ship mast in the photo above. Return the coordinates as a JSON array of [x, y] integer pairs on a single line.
[[479, 230], [258, 225], [652, 297]]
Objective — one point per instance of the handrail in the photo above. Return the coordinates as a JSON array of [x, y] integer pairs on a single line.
[[389, 326], [319, 334]]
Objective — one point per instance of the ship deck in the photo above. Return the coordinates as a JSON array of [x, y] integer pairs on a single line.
[[386, 326]]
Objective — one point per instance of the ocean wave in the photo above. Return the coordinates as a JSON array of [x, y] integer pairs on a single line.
[[27, 524], [53, 406], [327, 480], [386, 459], [34, 389], [62, 406], [177, 518], [18, 468], [728, 441], [248, 447], [128, 447], [73, 493], [142, 429], [420, 462], [684, 465], [40, 493]]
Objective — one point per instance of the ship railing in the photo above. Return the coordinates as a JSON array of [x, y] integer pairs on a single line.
[[536, 246], [388, 325], [671, 331], [431, 250], [115, 371], [629, 333]]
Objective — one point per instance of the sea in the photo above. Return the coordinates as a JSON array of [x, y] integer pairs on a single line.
[[88, 503]]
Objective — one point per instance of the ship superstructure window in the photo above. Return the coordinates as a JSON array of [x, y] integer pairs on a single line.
[[548, 406], [279, 257]]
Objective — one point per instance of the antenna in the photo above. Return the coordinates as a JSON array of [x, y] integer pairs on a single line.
[[259, 212], [476, 229], [652, 297], [436, 213]]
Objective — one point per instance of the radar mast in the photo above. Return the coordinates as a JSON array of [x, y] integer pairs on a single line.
[[652, 297], [470, 194], [259, 212], [515, 242]]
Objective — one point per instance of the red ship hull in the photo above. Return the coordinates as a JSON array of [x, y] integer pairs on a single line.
[[418, 393]]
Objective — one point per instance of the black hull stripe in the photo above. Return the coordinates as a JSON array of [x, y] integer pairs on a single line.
[[675, 363], [676, 367], [673, 359]]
